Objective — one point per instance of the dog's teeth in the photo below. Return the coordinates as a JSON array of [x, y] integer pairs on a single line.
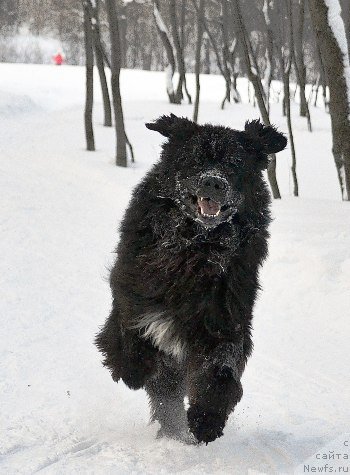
[[211, 215]]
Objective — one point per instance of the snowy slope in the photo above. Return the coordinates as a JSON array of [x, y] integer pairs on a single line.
[[61, 413]]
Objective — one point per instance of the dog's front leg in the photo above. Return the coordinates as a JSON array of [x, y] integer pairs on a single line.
[[140, 360], [126, 354], [214, 389]]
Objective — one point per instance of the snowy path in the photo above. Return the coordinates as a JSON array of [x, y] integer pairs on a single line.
[[60, 411]]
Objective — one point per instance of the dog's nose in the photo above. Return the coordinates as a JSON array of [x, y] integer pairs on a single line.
[[211, 183], [212, 186]]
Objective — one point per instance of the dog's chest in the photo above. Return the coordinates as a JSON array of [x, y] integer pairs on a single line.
[[162, 332], [187, 283]]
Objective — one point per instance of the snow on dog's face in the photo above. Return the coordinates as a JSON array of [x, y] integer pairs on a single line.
[[209, 170]]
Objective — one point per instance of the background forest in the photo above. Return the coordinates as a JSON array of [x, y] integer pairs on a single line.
[[263, 40]]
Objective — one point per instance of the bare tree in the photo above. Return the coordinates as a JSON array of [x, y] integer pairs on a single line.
[[254, 78], [200, 14], [322, 79], [298, 59], [268, 53], [228, 54], [174, 47], [285, 53], [331, 37], [89, 90], [121, 156], [221, 55], [169, 50], [100, 55], [179, 49]]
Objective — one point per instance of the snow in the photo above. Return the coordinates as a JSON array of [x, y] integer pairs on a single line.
[[61, 413]]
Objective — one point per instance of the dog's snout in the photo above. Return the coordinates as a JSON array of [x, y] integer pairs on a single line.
[[212, 186], [213, 183]]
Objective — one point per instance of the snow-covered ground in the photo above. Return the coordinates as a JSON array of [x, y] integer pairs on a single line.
[[60, 207]]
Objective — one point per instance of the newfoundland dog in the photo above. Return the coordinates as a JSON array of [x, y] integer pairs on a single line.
[[186, 275]]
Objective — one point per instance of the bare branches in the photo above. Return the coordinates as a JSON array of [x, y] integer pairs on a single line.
[[253, 75]]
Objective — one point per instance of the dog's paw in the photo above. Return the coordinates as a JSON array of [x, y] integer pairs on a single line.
[[205, 425]]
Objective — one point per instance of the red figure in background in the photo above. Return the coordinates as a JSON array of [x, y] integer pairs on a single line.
[[58, 59]]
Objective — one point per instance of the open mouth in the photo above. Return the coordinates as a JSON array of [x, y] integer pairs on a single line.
[[208, 208]]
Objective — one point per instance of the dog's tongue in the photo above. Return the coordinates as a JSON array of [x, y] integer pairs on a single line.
[[208, 206]]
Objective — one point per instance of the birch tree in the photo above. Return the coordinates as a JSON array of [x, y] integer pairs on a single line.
[[330, 33]]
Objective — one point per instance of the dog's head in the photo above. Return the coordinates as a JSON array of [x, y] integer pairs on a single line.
[[212, 172]]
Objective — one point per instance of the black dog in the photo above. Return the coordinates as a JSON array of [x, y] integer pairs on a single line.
[[186, 275]]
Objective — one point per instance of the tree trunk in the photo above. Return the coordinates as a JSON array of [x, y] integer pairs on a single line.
[[89, 91], [331, 37], [300, 69], [268, 54], [225, 52], [290, 45], [234, 69], [322, 79], [111, 9], [285, 54], [165, 38], [179, 55], [104, 88], [254, 78], [200, 14], [182, 44], [286, 85], [207, 66], [99, 55], [228, 56], [122, 19]]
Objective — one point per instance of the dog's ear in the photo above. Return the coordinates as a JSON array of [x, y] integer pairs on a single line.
[[265, 138], [172, 126]]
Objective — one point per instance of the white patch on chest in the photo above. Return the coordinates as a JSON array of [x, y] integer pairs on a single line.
[[162, 333]]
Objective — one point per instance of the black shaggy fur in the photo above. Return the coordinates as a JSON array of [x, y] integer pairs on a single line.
[[186, 276]]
